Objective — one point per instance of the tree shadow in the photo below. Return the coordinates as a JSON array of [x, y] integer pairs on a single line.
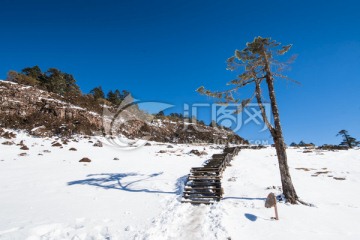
[[116, 181], [251, 217]]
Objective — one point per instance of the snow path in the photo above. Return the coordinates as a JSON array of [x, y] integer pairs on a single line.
[[186, 221]]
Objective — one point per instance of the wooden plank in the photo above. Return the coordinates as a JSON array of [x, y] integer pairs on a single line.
[[206, 170], [202, 197], [204, 177], [198, 202], [199, 191], [203, 168], [203, 185], [188, 188]]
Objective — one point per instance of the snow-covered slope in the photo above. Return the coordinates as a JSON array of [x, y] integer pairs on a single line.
[[54, 196]]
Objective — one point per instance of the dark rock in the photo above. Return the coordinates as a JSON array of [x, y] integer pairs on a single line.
[[47, 151], [162, 151], [8, 143], [8, 135], [170, 146], [98, 144], [195, 152], [232, 179], [85, 159], [72, 149], [339, 178], [147, 144], [23, 154], [56, 145], [24, 147], [116, 158], [307, 151]]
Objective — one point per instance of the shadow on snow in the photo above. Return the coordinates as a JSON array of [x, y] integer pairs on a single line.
[[116, 181]]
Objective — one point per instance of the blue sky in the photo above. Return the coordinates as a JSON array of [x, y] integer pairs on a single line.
[[164, 50]]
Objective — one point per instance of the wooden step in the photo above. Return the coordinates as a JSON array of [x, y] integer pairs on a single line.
[[199, 188], [204, 183], [212, 176], [198, 202], [203, 168], [203, 191], [206, 171], [202, 197]]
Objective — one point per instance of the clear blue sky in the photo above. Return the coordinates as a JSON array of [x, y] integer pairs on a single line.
[[164, 50]]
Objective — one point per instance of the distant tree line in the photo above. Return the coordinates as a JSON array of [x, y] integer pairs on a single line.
[[301, 144], [114, 97], [347, 141], [193, 119], [64, 84]]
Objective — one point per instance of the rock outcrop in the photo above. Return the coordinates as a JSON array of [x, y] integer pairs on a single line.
[[42, 113]]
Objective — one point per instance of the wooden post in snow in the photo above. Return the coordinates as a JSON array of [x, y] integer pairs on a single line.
[[271, 202]]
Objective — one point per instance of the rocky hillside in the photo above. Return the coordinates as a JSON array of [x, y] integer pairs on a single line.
[[43, 113]]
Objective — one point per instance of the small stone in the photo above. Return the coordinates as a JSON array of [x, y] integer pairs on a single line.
[[56, 145], [195, 152], [162, 151], [24, 147], [85, 159], [170, 146], [116, 158], [72, 149], [147, 144], [8, 143], [339, 178], [98, 144], [232, 179], [23, 154], [8, 135]]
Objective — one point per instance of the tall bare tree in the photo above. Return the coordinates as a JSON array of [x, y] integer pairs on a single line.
[[260, 67]]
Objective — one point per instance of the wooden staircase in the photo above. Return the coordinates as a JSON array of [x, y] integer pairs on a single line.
[[203, 185]]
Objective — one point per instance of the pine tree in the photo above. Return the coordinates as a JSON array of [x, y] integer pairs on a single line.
[[260, 66], [347, 139], [97, 92]]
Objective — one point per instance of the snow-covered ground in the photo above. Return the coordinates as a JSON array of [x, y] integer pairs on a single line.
[[54, 196]]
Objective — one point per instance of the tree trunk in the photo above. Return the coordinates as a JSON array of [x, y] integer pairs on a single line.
[[287, 185]]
